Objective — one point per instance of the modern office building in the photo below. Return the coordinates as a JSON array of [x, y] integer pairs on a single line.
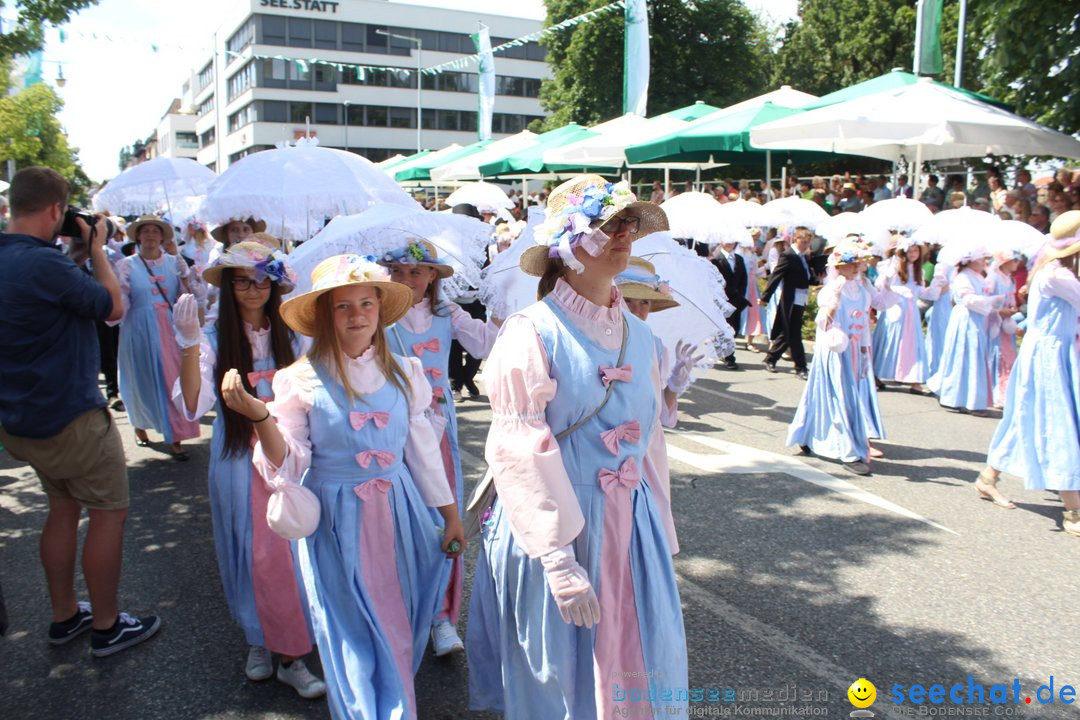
[[261, 85]]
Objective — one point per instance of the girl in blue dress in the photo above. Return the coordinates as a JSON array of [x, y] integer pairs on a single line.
[[963, 380], [350, 422], [937, 317], [838, 412], [1002, 328], [1038, 438], [425, 332], [575, 579], [899, 348], [152, 280], [257, 567]]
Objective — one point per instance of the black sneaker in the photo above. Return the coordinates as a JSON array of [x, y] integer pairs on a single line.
[[126, 632], [770, 366], [64, 632], [857, 467]]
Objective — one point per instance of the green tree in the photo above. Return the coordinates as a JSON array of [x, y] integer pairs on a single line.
[[30, 134], [711, 50], [1031, 57], [28, 34]]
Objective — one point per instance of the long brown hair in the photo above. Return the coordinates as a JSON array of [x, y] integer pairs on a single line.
[[326, 349], [234, 351], [554, 270], [902, 264]]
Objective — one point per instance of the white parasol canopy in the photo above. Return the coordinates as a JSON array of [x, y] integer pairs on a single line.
[[699, 217], [468, 168], [952, 225], [504, 288], [153, 185], [459, 239], [900, 214], [296, 189], [484, 196], [745, 213], [794, 212]]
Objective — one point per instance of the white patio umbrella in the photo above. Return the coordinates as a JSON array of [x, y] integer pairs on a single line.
[[468, 168], [952, 225], [784, 96], [153, 185], [699, 217], [923, 121], [838, 227], [607, 149], [745, 213], [296, 189], [793, 212], [901, 214], [485, 196], [1017, 236], [698, 287], [459, 239]]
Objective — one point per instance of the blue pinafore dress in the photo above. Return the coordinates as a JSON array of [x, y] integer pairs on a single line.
[[259, 574], [372, 579], [433, 350], [525, 661]]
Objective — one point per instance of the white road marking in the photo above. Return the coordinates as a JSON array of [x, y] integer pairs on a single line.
[[740, 459]]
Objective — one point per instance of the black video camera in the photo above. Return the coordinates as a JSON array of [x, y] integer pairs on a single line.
[[71, 229]]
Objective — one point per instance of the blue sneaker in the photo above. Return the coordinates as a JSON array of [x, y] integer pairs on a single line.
[[126, 632], [64, 632]]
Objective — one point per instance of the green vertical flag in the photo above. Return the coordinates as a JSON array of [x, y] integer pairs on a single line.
[[486, 87], [26, 71], [928, 59], [636, 58]]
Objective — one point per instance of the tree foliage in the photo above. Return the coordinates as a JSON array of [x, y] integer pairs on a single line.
[[711, 50], [1031, 57], [28, 34], [30, 134]]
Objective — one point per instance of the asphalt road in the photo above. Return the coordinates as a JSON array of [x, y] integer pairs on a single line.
[[797, 578]]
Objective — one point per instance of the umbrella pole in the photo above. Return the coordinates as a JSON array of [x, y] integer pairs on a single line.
[[917, 174], [768, 175], [697, 180], [667, 181], [525, 197], [783, 180]]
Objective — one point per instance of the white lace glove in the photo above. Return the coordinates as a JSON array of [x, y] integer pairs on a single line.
[[186, 321], [571, 588], [685, 360]]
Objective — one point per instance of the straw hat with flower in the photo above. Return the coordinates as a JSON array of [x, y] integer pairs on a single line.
[[640, 282], [417, 251], [266, 263], [1064, 237], [221, 232], [575, 212], [133, 228], [395, 299], [847, 253]]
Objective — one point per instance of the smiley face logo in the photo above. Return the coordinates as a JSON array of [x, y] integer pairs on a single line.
[[862, 693]]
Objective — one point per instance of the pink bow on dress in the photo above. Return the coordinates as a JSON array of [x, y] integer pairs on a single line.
[[365, 491], [255, 376], [359, 419], [627, 476], [613, 374], [431, 345], [433, 373], [384, 458], [630, 432]]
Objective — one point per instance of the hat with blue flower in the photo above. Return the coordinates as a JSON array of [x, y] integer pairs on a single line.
[[417, 251], [640, 282], [848, 252], [576, 210], [249, 255]]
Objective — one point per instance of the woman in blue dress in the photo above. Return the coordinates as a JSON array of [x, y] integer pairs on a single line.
[[937, 317], [351, 423], [963, 380], [152, 280], [838, 412], [899, 348], [257, 567], [1038, 438], [1003, 328], [575, 610], [425, 332]]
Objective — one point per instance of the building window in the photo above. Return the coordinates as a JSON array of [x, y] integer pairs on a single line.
[[274, 73], [402, 117], [207, 138], [187, 140], [241, 81], [242, 117], [299, 111], [242, 38], [376, 116], [325, 77], [327, 114], [206, 107], [299, 32], [355, 114], [299, 76], [352, 36], [273, 111], [206, 76], [326, 34], [273, 30]]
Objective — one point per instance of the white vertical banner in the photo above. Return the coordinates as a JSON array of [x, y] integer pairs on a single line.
[[486, 88], [636, 58]]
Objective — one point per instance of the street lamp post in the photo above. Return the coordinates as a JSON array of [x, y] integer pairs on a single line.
[[419, 83], [346, 126]]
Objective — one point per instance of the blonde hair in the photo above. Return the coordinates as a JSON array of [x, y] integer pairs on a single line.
[[326, 349]]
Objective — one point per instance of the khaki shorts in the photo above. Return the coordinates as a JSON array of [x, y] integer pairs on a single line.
[[84, 461]]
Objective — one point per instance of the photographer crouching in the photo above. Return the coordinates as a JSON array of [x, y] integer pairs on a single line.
[[52, 413]]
